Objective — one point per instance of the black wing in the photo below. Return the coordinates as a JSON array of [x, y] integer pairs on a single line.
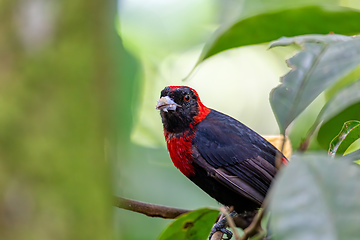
[[235, 156]]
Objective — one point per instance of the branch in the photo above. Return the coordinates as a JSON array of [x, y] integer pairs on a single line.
[[154, 210], [230, 221], [255, 226], [151, 210]]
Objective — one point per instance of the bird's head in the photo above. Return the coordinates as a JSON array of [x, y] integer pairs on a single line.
[[180, 108]]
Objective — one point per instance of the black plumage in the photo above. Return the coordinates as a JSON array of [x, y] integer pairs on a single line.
[[237, 163], [225, 158]]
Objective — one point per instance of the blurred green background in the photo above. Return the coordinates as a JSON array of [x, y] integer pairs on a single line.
[[79, 81], [167, 37]]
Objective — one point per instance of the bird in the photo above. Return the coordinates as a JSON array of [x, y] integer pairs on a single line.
[[226, 159]]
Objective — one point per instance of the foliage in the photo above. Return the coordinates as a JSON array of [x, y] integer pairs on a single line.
[[316, 196], [269, 25], [337, 110], [191, 226], [323, 61], [347, 136]]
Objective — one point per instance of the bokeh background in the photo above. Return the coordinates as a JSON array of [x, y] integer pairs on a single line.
[[166, 38], [79, 81]]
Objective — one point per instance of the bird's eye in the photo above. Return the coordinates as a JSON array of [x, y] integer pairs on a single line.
[[187, 98]]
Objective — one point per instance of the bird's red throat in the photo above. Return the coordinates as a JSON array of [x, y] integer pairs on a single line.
[[179, 145], [180, 151]]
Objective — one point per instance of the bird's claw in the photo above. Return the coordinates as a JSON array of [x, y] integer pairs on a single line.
[[221, 227]]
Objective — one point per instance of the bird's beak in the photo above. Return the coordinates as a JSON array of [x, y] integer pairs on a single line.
[[166, 103]]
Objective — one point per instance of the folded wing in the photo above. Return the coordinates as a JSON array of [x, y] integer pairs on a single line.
[[235, 156]]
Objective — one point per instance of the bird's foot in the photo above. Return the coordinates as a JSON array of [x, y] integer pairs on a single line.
[[220, 226]]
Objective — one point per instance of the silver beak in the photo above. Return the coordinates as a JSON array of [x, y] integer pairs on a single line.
[[166, 103]]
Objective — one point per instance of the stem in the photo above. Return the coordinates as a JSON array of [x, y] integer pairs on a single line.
[[149, 209], [230, 222], [255, 225]]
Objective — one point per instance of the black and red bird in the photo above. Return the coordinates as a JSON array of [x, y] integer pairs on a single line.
[[226, 159]]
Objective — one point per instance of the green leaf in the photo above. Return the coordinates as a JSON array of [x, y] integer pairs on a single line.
[[348, 134], [191, 226], [323, 61], [268, 26], [352, 77], [309, 38], [353, 156], [345, 98], [260, 6], [316, 197], [332, 126]]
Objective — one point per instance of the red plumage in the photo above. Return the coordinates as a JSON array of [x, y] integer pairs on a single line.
[[229, 161], [180, 152], [179, 146]]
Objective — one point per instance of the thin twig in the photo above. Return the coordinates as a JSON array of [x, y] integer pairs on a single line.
[[155, 210], [149, 209], [255, 224], [231, 223], [304, 144], [279, 155]]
